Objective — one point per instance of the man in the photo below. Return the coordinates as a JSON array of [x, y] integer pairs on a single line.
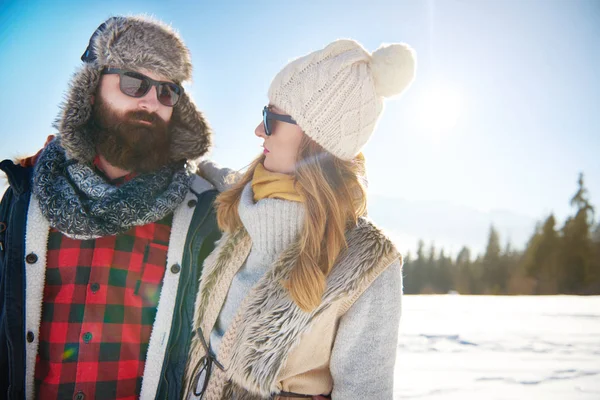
[[102, 241]]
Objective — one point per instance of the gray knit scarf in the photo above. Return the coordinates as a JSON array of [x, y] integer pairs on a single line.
[[82, 205]]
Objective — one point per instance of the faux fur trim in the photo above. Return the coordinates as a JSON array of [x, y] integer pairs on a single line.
[[233, 391], [219, 268], [233, 251], [36, 242], [272, 323], [143, 42], [134, 43]]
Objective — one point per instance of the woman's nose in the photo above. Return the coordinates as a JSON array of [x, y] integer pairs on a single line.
[[260, 131]]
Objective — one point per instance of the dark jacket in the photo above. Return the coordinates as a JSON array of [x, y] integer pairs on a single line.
[[201, 236]]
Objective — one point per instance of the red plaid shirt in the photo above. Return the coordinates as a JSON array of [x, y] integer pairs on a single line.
[[99, 305]]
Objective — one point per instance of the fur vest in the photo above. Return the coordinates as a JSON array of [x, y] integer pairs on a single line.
[[272, 346]]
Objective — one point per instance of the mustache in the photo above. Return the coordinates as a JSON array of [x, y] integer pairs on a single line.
[[128, 144], [146, 116]]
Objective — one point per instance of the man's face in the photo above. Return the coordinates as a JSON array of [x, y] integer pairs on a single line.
[[131, 133], [111, 93]]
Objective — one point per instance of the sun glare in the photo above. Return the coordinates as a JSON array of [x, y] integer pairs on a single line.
[[438, 111]]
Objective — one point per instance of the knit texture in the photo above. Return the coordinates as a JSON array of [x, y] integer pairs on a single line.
[[273, 185], [82, 205], [363, 358], [336, 94], [272, 225]]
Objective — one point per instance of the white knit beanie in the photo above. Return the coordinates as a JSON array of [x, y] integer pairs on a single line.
[[336, 94]]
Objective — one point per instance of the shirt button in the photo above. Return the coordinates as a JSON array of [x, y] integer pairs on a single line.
[[87, 337], [31, 258], [79, 396], [192, 203], [95, 287], [30, 337], [175, 268]]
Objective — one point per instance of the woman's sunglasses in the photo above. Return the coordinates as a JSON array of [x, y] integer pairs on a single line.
[[269, 117], [135, 84]]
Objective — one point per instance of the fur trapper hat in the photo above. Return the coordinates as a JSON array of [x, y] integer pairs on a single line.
[[136, 42]]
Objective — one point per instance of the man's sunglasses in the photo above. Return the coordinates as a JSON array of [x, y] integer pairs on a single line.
[[135, 84], [269, 116]]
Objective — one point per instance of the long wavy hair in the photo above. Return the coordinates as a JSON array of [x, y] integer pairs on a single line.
[[334, 198]]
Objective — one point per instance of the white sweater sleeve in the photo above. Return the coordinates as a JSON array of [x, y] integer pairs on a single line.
[[364, 352]]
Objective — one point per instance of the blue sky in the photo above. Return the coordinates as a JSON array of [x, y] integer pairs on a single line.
[[501, 119]]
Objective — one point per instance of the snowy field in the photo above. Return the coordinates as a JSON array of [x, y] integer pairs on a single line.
[[496, 347]]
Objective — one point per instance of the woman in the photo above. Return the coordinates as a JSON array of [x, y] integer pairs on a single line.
[[301, 297]]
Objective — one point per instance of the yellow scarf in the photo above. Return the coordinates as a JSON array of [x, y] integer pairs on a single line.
[[273, 185]]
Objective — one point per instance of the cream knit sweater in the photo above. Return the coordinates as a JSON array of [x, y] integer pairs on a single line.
[[364, 353]]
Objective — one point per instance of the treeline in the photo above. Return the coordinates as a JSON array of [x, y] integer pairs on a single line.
[[556, 260]]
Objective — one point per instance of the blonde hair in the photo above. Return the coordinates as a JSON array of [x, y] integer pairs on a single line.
[[334, 193]]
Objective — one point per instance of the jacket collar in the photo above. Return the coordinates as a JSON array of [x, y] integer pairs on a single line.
[[19, 178]]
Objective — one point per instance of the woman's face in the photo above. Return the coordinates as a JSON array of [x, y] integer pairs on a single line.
[[281, 147]]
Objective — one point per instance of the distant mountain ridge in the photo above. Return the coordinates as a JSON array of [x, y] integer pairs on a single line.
[[449, 226]]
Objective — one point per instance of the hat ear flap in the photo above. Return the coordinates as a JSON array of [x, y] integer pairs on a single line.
[[191, 135], [75, 113]]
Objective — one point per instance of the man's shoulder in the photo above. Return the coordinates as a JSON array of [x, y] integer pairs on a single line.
[[7, 166], [204, 217], [200, 185], [18, 176], [205, 194]]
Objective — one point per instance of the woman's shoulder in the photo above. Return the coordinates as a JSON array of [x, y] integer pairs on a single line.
[[367, 233], [369, 252], [371, 257]]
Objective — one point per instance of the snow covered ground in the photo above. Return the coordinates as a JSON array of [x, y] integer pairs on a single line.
[[497, 347]]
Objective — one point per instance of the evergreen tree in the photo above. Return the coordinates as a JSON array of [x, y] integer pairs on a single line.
[[444, 281], [491, 263], [408, 274], [576, 270], [415, 275], [581, 202], [477, 276], [565, 260], [463, 275], [505, 265], [541, 258], [430, 272], [595, 273]]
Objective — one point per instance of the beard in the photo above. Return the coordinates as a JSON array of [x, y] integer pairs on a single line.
[[126, 141]]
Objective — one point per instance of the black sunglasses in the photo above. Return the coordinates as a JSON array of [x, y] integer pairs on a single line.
[[269, 116], [135, 84], [203, 369]]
